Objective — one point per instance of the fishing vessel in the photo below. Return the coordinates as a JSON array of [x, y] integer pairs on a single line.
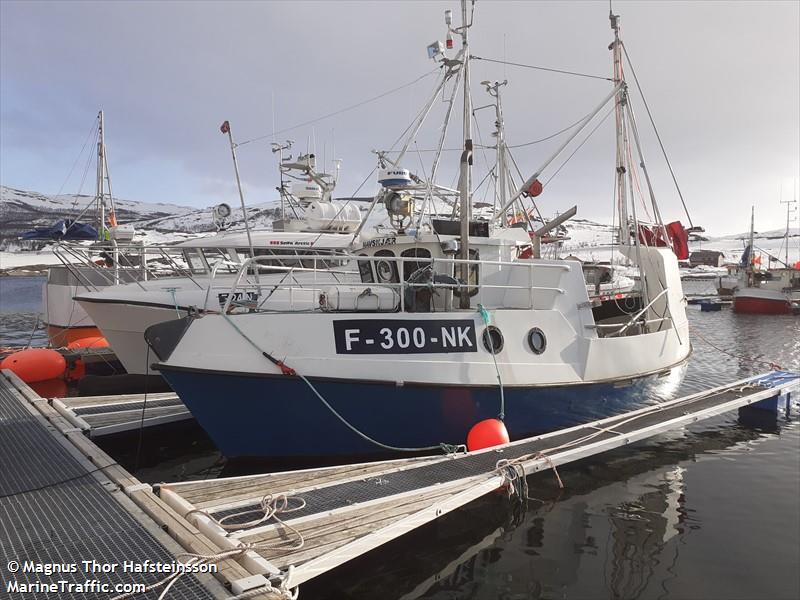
[[453, 320], [771, 291], [66, 322]]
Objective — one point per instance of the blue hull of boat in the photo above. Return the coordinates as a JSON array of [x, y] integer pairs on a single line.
[[280, 417]]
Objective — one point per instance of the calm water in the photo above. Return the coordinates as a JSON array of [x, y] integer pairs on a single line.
[[712, 511], [20, 310]]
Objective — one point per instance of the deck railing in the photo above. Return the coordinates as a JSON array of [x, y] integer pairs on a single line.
[[438, 271]]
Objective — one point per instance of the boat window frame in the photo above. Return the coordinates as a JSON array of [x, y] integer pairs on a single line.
[[195, 254], [392, 263], [411, 267]]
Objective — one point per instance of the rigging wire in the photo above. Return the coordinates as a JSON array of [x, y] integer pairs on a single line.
[[531, 143], [551, 136], [658, 136], [78, 157], [539, 68], [340, 111], [586, 139]]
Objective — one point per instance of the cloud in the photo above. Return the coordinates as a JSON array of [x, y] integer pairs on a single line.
[[721, 79]]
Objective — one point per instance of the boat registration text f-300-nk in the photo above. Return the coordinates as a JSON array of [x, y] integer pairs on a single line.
[[370, 336]]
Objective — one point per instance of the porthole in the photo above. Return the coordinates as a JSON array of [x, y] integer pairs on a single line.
[[492, 339], [537, 340], [385, 271]]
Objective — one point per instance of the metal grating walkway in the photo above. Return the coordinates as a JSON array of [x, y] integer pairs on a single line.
[[53, 510], [106, 415]]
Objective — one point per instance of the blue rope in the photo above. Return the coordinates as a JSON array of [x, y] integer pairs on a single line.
[[487, 321], [174, 300]]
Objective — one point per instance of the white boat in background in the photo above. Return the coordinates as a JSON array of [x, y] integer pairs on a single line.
[[452, 321], [66, 322], [123, 311], [136, 286]]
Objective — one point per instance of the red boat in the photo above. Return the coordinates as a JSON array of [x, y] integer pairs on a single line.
[[762, 301]]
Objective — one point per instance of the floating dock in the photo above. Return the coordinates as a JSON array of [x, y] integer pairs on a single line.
[[98, 416], [57, 508], [279, 530]]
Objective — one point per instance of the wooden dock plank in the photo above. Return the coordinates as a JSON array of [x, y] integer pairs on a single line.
[[289, 485]]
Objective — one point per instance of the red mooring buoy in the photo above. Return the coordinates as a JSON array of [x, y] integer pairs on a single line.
[[35, 364], [487, 433], [97, 341]]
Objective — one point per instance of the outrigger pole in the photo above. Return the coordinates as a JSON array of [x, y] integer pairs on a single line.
[[535, 176], [226, 128]]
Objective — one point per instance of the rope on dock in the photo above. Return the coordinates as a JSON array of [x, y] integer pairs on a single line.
[[512, 469]]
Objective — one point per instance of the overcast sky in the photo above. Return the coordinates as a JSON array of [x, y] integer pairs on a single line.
[[722, 79]]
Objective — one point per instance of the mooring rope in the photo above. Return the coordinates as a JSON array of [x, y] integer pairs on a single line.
[[502, 467], [271, 505], [286, 370], [772, 365]]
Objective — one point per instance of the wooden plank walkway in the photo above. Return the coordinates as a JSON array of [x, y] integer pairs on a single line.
[[287, 528], [104, 415], [338, 513]]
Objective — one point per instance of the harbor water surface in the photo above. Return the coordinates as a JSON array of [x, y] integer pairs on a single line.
[[711, 511]]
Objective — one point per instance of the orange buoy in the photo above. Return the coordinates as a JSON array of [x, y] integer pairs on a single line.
[[75, 371], [88, 342], [35, 364], [51, 388], [487, 433]]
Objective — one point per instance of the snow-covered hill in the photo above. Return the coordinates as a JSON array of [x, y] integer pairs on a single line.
[[22, 210]]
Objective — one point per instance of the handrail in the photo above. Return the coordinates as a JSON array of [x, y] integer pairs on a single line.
[[640, 313], [255, 263]]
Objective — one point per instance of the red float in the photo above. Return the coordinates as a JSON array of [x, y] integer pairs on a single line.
[[88, 342], [487, 433], [35, 364], [535, 188]]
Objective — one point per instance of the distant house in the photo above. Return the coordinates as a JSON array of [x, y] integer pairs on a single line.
[[711, 258]]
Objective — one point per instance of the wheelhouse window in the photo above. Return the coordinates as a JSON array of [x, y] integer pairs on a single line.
[[410, 267], [365, 269], [216, 255], [195, 260], [473, 277]]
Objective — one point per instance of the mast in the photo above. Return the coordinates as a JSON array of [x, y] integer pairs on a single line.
[[752, 227], [501, 185], [101, 167], [788, 204], [619, 116], [466, 157]]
